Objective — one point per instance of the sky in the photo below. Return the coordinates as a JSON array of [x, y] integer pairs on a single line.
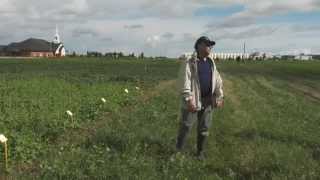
[[166, 27]]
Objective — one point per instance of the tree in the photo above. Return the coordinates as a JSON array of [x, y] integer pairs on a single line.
[[141, 56], [238, 59]]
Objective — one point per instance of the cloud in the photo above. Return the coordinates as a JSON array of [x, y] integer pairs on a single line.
[[304, 28], [107, 39], [247, 34], [84, 32], [77, 6], [255, 10], [5, 37], [170, 25], [134, 26], [236, 20], [167, 35], [152, 41], [167, 8], [6, 7]]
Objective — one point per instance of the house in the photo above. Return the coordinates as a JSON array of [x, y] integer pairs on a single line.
[[33, 47], [2, 50]]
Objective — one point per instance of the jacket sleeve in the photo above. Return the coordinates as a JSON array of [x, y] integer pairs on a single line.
[[185, 81], [219, 86]]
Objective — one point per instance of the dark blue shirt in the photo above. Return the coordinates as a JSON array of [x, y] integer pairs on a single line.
[[205, 76]]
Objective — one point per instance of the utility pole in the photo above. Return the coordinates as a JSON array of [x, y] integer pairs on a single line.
[[244, 50]]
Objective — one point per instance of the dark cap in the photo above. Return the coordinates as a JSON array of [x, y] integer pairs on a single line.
[[206, 40]]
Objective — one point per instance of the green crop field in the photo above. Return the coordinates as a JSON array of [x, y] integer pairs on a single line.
[[269, 127]]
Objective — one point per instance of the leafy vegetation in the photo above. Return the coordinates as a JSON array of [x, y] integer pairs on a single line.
[[268, 129]]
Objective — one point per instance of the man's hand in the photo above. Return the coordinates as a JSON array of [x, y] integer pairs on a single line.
[[219, 103], [191, 106]]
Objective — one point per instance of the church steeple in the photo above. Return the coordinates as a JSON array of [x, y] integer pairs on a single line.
[[56, 39]]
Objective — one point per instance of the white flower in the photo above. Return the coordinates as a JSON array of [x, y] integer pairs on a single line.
[[69, 113], [108, 149], [3, 139], [126, 90], [137, 88], [103, 100], [172, 159]]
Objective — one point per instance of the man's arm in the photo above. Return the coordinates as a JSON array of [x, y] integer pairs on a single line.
[[185, 81], [185, 86], [219, 89]]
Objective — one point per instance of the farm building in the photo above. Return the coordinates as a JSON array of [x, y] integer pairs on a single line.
[[33, 47], [316, 56], [221, 56], [261, 56], [303, 57], [231, 56]]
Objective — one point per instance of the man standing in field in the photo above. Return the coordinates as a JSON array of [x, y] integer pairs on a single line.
[[201, 89]]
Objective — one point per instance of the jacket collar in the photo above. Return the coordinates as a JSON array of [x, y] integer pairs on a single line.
[[194, 57]]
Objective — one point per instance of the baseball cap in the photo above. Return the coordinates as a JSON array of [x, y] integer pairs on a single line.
[[206, 40]]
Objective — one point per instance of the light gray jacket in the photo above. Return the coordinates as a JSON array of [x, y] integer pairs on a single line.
[[189, 85]]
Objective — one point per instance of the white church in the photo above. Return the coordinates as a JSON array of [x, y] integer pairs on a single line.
[[59, 49]]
